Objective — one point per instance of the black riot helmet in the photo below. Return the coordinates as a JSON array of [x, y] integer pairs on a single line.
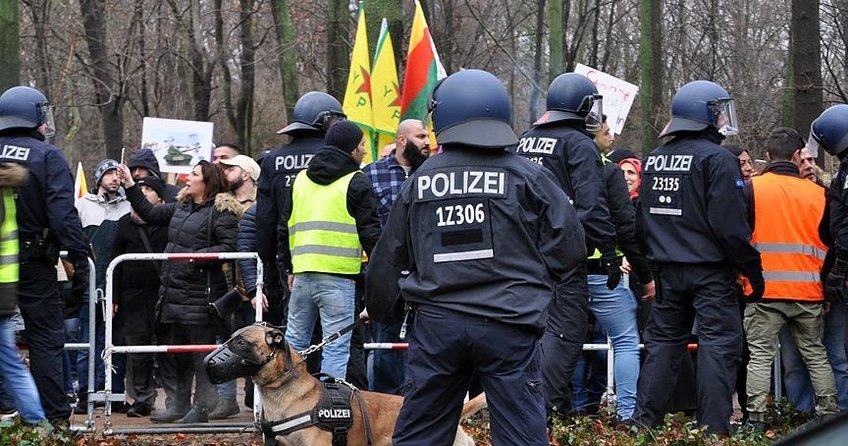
[[314, 111], [573, 97], [26, 108], [700, 105], [830, 132], [472, 107]]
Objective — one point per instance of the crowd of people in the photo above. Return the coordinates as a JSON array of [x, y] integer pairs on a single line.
[[495, 256]]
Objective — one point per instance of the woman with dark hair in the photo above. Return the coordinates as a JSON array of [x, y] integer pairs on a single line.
[[203, 219], [745, 162]]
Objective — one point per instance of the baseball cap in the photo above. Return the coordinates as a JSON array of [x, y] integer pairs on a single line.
[[245, 162]]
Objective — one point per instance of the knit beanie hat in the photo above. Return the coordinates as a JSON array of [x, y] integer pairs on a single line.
[[154, 183], [104, 166], [345, 135]]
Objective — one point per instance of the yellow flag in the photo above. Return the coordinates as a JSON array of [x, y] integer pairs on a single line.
[[80, 185], [357, 100], [386, 92]]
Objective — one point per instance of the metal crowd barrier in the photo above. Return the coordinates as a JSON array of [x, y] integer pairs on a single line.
[[93, 298], [111, 349], [609, 394]]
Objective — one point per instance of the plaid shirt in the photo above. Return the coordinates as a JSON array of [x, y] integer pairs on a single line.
[[386, 176]]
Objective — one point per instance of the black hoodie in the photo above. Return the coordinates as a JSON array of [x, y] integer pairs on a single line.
[[147, 159], [328, 165]]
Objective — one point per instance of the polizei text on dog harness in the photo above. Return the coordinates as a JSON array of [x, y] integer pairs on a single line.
[[332, 413]]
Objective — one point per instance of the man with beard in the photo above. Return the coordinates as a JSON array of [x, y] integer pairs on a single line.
[[242, 172], [412, 146]]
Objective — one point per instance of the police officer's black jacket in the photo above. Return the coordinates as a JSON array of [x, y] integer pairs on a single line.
[[279, 169], [573, 157], [480, 231], [623, 216], [328, 165], [46, 198], [211, 226], [837, 200], [691, 208]]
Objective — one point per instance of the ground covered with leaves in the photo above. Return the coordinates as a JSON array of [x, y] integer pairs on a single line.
[[601, 429]]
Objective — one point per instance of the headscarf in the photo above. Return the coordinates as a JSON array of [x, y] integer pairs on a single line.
[[637, 166]]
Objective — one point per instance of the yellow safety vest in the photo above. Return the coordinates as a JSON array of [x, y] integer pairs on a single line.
[[322, 234], [9, 247]]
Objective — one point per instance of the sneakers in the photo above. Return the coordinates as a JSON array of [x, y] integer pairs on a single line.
[[754, 426], [195, 415], [170, 415], [138, 410], [224, 409], [120, 407]]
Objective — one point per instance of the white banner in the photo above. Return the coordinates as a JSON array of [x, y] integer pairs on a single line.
[[618, 95]]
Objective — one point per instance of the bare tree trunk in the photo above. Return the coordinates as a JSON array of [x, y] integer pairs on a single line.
[[200, 71], [555, 37], [247, 62], [537, 59], [337, 49], [805, 48], [286, 54], [650, 71], [138, 18], [10, 45], [107, 92]]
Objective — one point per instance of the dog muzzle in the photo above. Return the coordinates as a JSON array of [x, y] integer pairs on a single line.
[[224, 365]]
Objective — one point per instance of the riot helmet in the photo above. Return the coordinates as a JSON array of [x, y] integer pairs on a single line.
[[700, 105], [830, 132], [472, 107], [27, 108], [314, 111], [573, 97]]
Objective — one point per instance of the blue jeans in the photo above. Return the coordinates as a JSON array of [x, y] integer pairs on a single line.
[[18, 381], [799, 389], [590, 377], [72, 336], [329, 297], [388, 365], [615, 310]]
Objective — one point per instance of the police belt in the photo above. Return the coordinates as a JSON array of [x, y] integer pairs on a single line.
[[333, 413]]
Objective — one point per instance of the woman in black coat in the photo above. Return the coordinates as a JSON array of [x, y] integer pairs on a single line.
[[203, 219]]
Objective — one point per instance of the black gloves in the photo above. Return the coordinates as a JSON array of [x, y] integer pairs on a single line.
[[834, 285], [79, 284], [612, 263], [754, 272]]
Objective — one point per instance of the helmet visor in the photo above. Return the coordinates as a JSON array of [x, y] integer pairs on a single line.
[[594, 120], [813, 145], [326, 119], [723, 112], [45, 110]]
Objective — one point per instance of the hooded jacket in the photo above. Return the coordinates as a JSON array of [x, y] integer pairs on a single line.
[[147, 159], [211, 226], [328, 165]]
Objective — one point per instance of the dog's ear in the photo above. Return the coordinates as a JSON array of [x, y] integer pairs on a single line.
[[275, 338]]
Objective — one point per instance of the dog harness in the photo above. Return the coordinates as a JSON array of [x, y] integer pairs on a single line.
[[333, 413]]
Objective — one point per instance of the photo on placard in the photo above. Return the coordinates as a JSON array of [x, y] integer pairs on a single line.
[[177, 144]]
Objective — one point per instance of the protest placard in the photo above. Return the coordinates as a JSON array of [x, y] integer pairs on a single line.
[[618, 95], [177, 144]]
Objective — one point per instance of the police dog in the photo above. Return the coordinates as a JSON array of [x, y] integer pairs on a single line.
[[287, 390]]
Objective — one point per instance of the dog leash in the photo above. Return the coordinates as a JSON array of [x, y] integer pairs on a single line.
[[330, 339]]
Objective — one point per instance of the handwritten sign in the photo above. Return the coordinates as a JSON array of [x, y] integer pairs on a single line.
[[618, 95]]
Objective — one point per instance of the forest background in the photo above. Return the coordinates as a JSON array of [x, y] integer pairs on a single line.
[[106, 64]]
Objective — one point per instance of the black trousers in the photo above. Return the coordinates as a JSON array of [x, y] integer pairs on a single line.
[[42, 309], [445, 348], [178, 370], [562, 343], [685, 293]]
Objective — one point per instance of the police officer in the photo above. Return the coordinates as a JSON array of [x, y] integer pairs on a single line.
[[47, 220], [482, 236], [692, 214], [561, 141], [313, 115], [830, 132]]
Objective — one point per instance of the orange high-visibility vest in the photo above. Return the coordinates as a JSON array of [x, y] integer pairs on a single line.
[[787, 212]]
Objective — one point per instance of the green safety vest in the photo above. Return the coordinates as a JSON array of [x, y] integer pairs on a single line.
[[322, 234], [597, 254], [9, 250]]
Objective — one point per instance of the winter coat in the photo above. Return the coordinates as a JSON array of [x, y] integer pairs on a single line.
[[137, 281], [247, 243], [211, 226]]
